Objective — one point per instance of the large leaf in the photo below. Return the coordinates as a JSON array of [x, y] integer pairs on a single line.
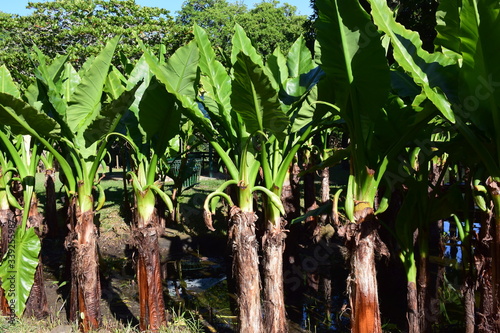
[[171, 79], [358, 74], [109, 116], [159, 115], [23, 118], [255, 99], [7, 85], [241, 43], [352, 55], [428, 70], [71, 80], [217, 82], [448, 25], [299, 59], [50, 76], [18, 268], [182, 69], [85, 102], [114, 84], [480, 72]]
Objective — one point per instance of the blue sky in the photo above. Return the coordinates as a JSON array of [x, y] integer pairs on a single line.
[[19, 6]]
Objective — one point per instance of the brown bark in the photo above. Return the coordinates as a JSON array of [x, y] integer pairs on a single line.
[[36, 304], [422, 278], [151, 303], [324, 192], [412, 313], [293, 280], [363, 241], [494, 190], [469, 302], [50, 204], [274, 300], [487, 315], [243, 242], [85, 282], [290, 193]]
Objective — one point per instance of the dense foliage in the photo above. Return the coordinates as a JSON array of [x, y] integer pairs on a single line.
[[423, 148], [81, 28]]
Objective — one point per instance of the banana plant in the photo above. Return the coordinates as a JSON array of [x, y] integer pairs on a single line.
[[379, 126], [461, 80], [296, 76], [27, 281], [467, 34], [73, 107], [21, 244], [153, 120], [424, 202], [239, 124]]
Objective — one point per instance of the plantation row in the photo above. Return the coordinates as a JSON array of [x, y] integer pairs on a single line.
[[423, 145]]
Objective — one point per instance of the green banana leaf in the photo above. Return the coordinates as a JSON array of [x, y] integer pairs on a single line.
[[179, 78], [159, 115], [108, 118], [431, 71], [85, 102], [7, 85], [479, 75], [16, 113], [18, 267], [354, 59], [255, 99], [216, 83], [241, 43]]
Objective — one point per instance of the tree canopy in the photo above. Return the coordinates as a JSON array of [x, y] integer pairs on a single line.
[[81, 28]]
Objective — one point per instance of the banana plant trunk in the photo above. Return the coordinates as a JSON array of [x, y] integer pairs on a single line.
[[151, 302], [85, 282], [50, 204], [484, 264], [243, 241], [412, 313], [494, 190], [363, 242], [293, 282], [273, 243], [37, 305]]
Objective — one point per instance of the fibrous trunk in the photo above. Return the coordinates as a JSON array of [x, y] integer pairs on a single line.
[[85, 283], [50, 204], [494, 190], [293, 281], [412, 313], [243, 242], [151, 303], [36, 304], [363, 241], [274, 300], [469, 301], [486, 315]]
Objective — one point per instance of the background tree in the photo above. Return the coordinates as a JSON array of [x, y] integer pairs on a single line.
[[269, 24], [80, 28]]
